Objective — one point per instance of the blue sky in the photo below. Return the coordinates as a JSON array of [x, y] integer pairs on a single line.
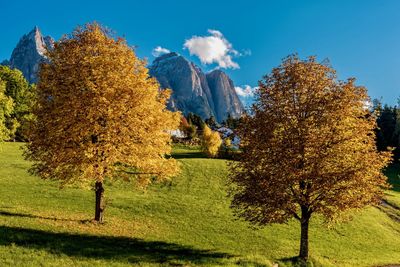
[[360, 38]]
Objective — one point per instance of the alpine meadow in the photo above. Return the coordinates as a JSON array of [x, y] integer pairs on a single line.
[[222, 134]]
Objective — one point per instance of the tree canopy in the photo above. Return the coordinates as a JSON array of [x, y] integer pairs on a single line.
[[6, 109], [309, 147], [211, 142], [99, 115], [22, 94]]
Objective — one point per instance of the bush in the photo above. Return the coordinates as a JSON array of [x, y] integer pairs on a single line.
[[211, 142]]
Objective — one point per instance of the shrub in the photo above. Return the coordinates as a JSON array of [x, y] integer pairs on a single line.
[[211, 142]]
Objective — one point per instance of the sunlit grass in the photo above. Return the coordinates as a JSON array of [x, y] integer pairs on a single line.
[[184, 223]]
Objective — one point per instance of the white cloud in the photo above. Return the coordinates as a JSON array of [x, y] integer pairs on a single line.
[[158, 51], [214, 48], [245, 90], [216, 33]]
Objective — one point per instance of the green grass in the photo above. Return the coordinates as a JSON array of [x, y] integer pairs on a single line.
[[185, 223]]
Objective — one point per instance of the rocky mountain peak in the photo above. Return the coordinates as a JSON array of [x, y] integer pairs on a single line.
[[190, 92], [224, 95], [193, 91], [167, 57], [35, 36], [29, 52]]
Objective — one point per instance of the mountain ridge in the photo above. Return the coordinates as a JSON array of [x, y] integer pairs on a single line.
[[193, 91], [206, 94]]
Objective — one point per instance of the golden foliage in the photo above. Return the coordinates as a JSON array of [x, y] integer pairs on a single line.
[[98, 113], [228, 143], [211, 142], [310, 147]]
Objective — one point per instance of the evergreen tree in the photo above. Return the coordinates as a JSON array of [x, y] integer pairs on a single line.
[[196, 120], [211, 122]]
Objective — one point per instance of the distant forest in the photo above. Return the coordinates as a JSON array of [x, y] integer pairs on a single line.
[[388, 131]]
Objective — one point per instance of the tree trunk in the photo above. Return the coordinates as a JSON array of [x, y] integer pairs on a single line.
[[305, 220], [99, 211]]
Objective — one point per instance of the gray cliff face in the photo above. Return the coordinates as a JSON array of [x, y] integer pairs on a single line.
[[224, 95], [206, 95], [190, 91], [29, 52]]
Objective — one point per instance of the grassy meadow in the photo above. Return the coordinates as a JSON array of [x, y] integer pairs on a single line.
[[184, 223]]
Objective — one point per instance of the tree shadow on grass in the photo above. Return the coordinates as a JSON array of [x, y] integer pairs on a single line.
[[124, 249], [25, 215], [189, 155], [393, 174]]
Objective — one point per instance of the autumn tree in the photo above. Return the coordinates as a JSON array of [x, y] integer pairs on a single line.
[[308, 148], [189, 130], [99, 116], [211, 142]]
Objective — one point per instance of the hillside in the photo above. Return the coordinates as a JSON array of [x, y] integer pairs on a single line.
[[185, 223]]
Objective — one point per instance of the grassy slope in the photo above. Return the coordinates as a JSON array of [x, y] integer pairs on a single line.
[[185, 223]]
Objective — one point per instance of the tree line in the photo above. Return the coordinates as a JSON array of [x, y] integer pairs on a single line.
[[388, 127]]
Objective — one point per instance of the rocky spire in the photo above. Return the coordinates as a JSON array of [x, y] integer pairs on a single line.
[[29, 52]]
